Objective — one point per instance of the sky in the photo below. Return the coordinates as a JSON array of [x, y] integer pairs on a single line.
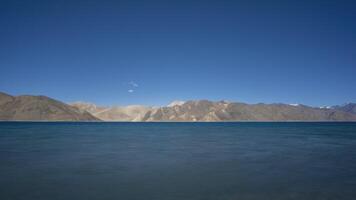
[[154, 52]]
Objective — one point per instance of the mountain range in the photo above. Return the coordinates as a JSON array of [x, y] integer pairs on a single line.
[[204, 110], [27, 107]]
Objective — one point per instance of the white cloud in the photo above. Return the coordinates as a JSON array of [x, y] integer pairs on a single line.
[[133, 84]]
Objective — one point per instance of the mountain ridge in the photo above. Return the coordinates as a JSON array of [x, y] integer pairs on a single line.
[[205, 110], [42, 108]]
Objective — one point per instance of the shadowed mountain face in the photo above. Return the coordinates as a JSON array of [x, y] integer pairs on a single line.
[[40, 108], [89, 107], [350, 108]]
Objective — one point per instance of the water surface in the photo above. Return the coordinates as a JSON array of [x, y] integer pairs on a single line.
[[164, 161]]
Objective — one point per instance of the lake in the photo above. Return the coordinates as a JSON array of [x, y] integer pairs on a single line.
[[171, 161]]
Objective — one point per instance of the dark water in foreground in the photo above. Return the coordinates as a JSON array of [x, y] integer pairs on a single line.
[[163, 161]]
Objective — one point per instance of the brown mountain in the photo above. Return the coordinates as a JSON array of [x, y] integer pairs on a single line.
[[28, 107], [39, 108], [90, 107], [204, 110], [349, 108]]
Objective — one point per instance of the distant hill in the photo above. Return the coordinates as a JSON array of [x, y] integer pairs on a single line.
[[90, 107], [39, 108], [115, 113]]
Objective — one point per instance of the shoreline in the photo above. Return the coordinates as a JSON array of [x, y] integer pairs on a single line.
[[247, 121]]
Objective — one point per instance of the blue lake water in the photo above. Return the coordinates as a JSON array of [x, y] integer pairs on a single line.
[[164, 161]]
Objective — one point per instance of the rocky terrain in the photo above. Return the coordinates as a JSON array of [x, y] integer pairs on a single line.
[[39, 108], [115, 113], [204, 110], [349, 107]]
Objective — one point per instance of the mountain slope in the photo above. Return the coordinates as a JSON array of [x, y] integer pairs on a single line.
[[349, 108], [175, 103], [28, 107], [116, 113], [33, 108], [129, 113], [89, 107], [204, 110]]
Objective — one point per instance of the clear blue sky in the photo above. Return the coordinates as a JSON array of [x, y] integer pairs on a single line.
[[153, 52]]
